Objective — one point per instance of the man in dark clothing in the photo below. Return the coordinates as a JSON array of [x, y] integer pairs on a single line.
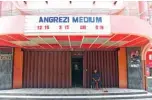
[[96, 81]]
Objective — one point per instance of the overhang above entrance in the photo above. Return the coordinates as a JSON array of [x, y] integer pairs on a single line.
[[64, 42], [126, 31]]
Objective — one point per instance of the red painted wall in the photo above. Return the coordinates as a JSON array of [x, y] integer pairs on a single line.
[[106, 62], [45, 69]]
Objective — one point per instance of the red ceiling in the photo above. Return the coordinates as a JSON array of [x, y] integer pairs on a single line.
[[45, 45], [55, 45], [95, 45], [85, 45], [76, 38], [62, 38], [118, 37], [129, 38], [90, 36], [49, 42]]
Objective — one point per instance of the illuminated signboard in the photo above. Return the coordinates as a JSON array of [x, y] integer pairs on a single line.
[[150, 57], [67, 25]]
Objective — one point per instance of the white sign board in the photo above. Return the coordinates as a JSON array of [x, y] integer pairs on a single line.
[[5, 56], [150, 57], [67, 25]]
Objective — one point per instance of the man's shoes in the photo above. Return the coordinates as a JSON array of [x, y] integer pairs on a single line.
[[105, 90]]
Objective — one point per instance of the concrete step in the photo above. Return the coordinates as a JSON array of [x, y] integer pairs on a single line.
[[77, 94], [70, 92], [98, 97], [74, 94]]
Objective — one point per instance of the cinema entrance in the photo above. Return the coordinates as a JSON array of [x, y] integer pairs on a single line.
[[77, 70], [43, 59], [66, 69]]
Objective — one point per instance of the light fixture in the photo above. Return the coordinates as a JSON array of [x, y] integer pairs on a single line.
[[70, 2], [46, 2], [115, 2], [94, 2], [25, 2]]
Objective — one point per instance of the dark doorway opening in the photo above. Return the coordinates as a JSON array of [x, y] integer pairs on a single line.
[[77, 72]]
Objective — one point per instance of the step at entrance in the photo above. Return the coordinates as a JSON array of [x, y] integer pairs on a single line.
[[99, 97], [74, 94]]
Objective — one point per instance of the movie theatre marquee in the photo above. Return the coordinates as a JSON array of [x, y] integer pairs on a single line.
[[67, 25]]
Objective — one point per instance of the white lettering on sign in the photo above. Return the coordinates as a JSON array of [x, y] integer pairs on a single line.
[[68, 25], [150, 57]]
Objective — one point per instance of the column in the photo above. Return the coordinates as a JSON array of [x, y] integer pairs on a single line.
[[1, 8], [143, 9], [18, 68], [122, 62]]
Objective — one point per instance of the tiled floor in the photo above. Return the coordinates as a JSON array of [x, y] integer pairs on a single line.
[[23, 94], [68, 91], [118, 97]]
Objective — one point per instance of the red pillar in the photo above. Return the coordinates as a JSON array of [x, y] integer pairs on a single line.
[[144, 14], [122, 62], [18, 68], [1, 8]]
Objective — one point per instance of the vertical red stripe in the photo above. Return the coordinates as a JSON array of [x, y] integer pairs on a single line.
[[28, 71], [108, 71], [117, 70], [25, 69], [84, 69], [59, 71], [66, 67], [47, 70], [62, 72], [35, 72], [39, 69], [43, 69], [113, 58], [31, 69]]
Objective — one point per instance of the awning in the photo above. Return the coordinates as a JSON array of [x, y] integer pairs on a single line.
[[126, 31]]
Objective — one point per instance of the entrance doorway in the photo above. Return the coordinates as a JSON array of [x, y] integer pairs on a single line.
[[77, 72]]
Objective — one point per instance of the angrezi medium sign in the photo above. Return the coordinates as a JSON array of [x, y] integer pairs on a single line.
[[68, 25]]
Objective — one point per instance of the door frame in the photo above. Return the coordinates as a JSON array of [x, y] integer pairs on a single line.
[[71, 68], [78, 54]]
